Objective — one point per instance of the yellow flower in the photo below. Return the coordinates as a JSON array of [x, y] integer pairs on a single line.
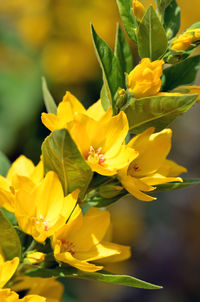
[[7, 269], [144, 80], [6, 295], [67, 110], [184, 41], [49, 288], [138, 9], [21, 168], [43, 209], [101, 142], [35, 257], [151, 166], [80, 241]]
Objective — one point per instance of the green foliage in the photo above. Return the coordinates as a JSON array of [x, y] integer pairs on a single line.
[[9, 240], [187, 182], [172, 19], [61, 155], [156, 111], [152, 40], [195, 25], [48, 99], [180, 74], [128, 19], [4, 164], [112, 77], [98, 276], [101, 201], [123, 52]]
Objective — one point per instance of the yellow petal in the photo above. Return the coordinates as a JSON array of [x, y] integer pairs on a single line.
[[51, 121], [94, 227], [134, 186], [157, 179], [82, 265], [96, 111], [153, 150], [123, 252], [74, 103], [6, 295], [33, 298], [170, 168], [7, 270], [22, 166]]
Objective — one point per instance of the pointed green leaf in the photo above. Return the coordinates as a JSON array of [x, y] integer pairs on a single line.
[[123, 52], [112, 77], [4, 164], [61, 155], [156, 111], [128, 19], [182, 73], [104, 98], [172, 19], [9, 240], [195, 25], [71, 272], [152, 40], [187, 182], [48, 99]]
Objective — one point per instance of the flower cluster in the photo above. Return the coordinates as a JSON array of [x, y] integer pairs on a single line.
[[92, 158]]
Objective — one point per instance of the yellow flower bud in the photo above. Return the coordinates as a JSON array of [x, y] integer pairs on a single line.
[[35, 257], [138, 9], [184, 41], [144, 80]]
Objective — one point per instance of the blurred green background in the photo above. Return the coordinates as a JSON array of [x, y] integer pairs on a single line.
[[52, 38]]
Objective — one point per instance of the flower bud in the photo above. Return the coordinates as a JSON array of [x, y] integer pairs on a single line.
[[138, 9], [185, 41], [144, 80], [35, 257]]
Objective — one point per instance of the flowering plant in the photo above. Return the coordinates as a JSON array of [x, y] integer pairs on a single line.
[[53, 221]]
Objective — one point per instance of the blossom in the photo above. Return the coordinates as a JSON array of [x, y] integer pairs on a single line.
[[81, 240], [6, 295], [184, 41], [151, 166], [49, 288], [43, 209], [67, 110], [138, 9], [101, 142], [144, 80], [21, 168]]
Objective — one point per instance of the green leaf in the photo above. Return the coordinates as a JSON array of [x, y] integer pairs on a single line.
[[4, 164], [187, 182], [98, 276], [156, 111], [102, 202], [128, 19], [9, 240], [112, 77], [152, 40], [180, 74], [172, 19], [48, 99], [123, 52], [61, 155], [104, 98]]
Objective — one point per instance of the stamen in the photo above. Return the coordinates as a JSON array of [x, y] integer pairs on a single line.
[[67, 246], [95, 156]]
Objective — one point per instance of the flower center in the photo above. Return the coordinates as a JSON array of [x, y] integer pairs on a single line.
[[67, 246], [42, 224], [133, 168], [95, 156]]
